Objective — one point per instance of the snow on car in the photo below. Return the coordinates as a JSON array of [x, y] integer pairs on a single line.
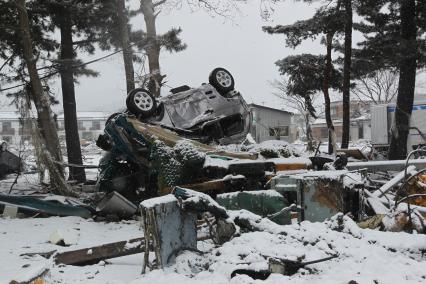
[[211, 112]]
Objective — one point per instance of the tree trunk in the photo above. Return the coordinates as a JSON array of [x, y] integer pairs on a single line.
[[347, 74], [406, 85], [41, 101], [125, 44], [153, 48], [309, 136], [68, 97], [325, 87]]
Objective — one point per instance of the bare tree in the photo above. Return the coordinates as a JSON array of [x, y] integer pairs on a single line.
[[378, 87], [299, 104]]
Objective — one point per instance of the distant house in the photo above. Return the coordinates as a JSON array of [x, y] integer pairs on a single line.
[[10, 130], [90, 125], [269, 123], [360, 127]]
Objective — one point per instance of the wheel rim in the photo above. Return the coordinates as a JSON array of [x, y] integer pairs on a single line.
[[224, 79], [143, 101]]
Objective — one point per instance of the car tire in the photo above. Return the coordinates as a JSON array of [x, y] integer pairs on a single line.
[[222, 80], [141, 103]]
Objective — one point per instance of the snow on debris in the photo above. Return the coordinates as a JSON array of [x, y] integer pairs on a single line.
[[152, 202], [364, 256], [266, 192], [274, 148], [349, 178]]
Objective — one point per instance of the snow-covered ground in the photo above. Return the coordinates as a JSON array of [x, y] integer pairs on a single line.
[[365, 256]]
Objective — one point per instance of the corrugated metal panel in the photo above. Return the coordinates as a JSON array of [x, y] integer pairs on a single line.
[[379, 124]]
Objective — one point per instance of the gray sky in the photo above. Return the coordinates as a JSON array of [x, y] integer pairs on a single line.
[[239, 45]]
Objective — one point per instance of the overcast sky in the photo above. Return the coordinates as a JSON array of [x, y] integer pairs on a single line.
[[238, 45]]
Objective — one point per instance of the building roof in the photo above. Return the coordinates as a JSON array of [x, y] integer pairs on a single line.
[[270, 108], [13, 115]]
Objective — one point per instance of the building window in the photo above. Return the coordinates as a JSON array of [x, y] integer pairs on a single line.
[[96, 125], [7, 128], [279, 131]]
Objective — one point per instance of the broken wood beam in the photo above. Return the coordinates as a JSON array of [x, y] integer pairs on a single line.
[[95, 254]]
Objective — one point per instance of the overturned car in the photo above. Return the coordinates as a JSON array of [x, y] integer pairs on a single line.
[[213, 112], [151, 136]]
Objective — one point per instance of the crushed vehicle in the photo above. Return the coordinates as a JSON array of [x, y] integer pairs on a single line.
[[212, 112], [144, 160], [160, 143]]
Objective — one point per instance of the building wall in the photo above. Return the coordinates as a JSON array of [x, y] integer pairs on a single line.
[[12, 132], [357, 108], [88, 129], [320, 132], [267, 121], [358, 130]]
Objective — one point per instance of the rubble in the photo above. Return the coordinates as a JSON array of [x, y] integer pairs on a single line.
[[257, 211], [9, 162], [45, 206]]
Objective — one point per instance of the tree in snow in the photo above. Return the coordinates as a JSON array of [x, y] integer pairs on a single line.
[[117, 32], [303, 76], [170, 40], [76, 21], [326, 22], [22, 40], [394, 38]]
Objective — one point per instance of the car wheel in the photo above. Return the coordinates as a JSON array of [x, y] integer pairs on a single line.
[[141, 103], [222, 80]]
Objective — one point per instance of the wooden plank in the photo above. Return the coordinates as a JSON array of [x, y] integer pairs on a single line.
[[95, 254], [170, 138]]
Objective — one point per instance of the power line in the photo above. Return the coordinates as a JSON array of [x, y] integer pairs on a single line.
[[75, 66]]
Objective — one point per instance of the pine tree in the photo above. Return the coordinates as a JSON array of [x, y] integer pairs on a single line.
[[76, 18], [347, 73], [155, 42], [393, 30], [326, 22], [304, 74], [115, 31], [22, 38]]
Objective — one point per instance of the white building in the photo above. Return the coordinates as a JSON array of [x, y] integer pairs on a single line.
[[90, 125], [271, 124]]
